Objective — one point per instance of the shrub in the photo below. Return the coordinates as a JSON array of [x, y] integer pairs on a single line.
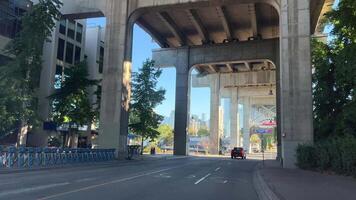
[[333, 154], [306, 157]]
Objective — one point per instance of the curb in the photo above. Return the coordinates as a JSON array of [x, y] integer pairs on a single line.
[[264, 192]]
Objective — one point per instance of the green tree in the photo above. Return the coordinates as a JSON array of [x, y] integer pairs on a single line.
[[19, 78], [71, 104], [144, 121], [202, 132], [165, 135], [334, 78]]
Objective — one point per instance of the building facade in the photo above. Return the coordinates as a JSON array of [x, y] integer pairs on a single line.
[[65, 48]]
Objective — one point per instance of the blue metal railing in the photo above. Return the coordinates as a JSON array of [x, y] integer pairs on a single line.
[[28, 157]]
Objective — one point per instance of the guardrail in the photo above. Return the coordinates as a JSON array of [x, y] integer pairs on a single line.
[[28, 157]]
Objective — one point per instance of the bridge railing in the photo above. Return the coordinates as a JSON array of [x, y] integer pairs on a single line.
[[28, 157]]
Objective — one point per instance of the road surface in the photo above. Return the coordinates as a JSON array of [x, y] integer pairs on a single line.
[[174, 179]]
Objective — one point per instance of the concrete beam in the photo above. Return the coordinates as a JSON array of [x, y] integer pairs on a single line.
[[82, 9], [205, 54], [213, 68], [225, 22], [161, 41], [173, 27], [253, 19], [239, 80], [198, 24], [230, 67]]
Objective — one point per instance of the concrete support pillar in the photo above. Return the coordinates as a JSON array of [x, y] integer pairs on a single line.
[[214, 144], [246, 121], [181, 107], [234, 119], [116, 79], [295, 78]]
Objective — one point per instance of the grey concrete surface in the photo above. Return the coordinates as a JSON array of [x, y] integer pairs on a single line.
[[189, 178], [295, 184]]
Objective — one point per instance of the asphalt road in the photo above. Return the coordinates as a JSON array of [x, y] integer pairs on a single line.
[[183, 179]]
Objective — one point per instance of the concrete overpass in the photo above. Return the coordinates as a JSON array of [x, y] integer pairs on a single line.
[[187, 26]]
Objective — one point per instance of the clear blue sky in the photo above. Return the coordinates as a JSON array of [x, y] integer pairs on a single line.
[[142, 49]]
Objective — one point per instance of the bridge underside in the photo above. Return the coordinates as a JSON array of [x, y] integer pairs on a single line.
[[219, 36]]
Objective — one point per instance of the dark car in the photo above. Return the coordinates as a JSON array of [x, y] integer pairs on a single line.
[[238, 152]]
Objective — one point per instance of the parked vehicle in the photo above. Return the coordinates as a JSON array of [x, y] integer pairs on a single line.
[[238, 152]]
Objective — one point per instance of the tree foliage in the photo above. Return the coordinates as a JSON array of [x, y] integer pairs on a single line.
[[19, 78], [335, 75], [144, 121], [203, 132], [71, 103], [165, 135]]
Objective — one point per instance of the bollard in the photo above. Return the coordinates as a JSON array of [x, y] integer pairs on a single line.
[[31, 156], [38, 157], [21, 157], [85, 155], [112, 154], [60, 156], [53, 154], [11, 157], [65, 153], [1, 157], [47, 156]]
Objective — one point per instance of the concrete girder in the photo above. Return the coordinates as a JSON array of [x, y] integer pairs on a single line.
[[230, 67], [198, 24], [81, 9], [225, 22], [161, 41], [173, 27], [205, 54], [213, 68], [253, 19], [265, 79]]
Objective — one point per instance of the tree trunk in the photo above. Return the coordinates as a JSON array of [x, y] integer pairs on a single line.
[[142, 145], [22, 134]]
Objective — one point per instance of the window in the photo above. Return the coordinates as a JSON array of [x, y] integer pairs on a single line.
[[62, 26], [69, 53], [101, 60], [60, 49], [71, 28], [58, 77], [79, 34], [77, 55]]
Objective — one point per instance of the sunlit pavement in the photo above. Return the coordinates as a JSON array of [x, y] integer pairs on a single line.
[[188, 178]]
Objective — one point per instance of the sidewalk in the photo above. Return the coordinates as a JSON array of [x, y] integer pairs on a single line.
[[299, 184]]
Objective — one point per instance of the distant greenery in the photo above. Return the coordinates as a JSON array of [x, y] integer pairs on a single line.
[[143, 120], [334, 95], [165, 135], [19, 79], [202, 132]]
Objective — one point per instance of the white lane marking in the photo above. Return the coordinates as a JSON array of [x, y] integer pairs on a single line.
[[31, 189], [217, 169], [202, 179], [106, 183], [84, 180], [225, 181], [191, 176]]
